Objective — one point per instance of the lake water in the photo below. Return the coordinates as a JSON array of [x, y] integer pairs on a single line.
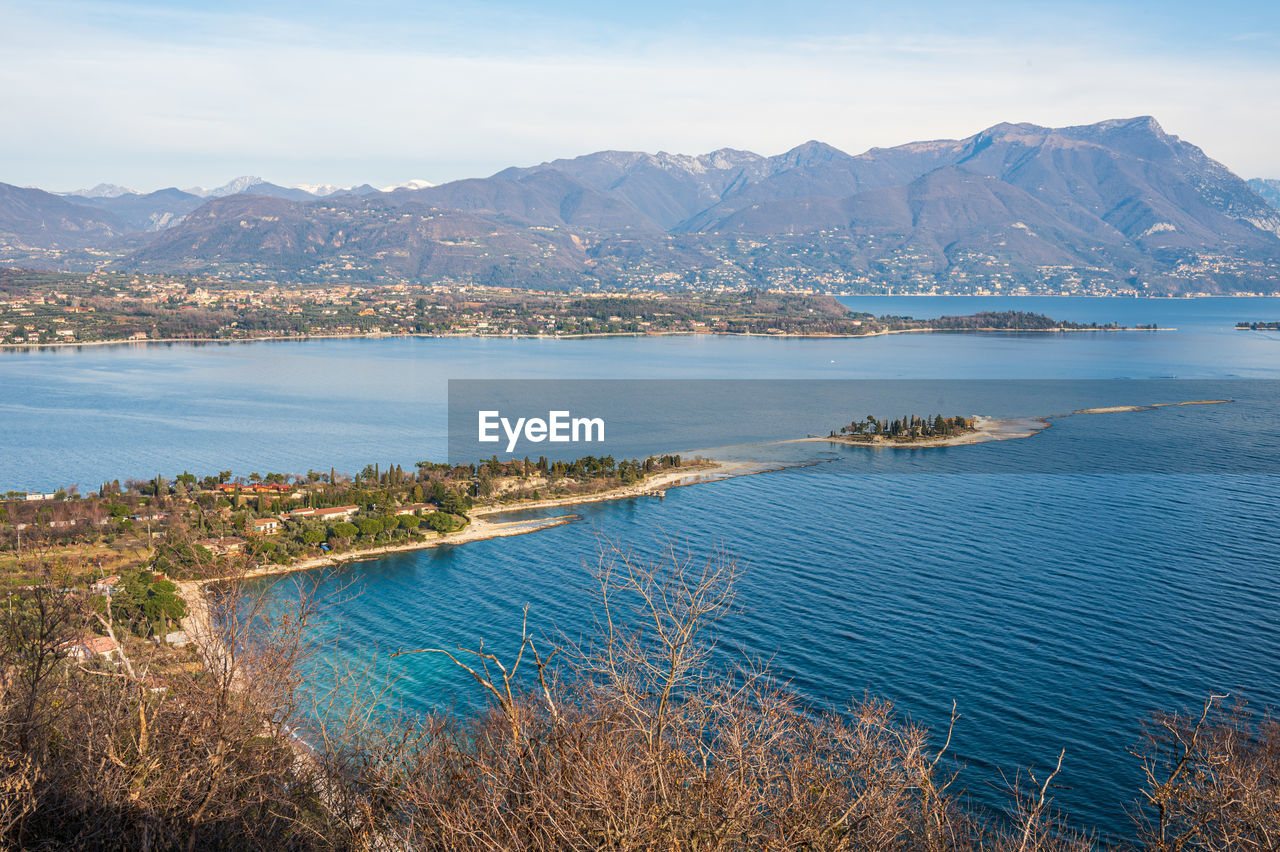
[[1055, 602]]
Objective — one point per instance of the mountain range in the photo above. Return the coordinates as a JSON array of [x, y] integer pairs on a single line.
[[1119, 205]]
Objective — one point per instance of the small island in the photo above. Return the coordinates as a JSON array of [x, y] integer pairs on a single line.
[[906, 430], [938, 431], [1258, 326], [920, 432]]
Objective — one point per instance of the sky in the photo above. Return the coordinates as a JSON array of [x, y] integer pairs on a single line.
[[153, 94]]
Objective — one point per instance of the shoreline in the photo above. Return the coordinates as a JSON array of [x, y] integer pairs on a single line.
[[988, 429], [482, 529], [302, 338], [196, 622], [712, 472]]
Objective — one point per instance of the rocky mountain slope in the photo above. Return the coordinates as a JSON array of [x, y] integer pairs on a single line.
[[1118, 205]]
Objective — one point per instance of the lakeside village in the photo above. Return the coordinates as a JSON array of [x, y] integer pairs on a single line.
[[125, 546], [44, 308]]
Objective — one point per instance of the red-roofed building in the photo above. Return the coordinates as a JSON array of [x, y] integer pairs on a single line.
[[265, 526], [226, 544], [256, 488], [344, 512], [88, 647], [106, 586]]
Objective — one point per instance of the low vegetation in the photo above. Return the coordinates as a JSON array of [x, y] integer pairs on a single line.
[[631, 738]]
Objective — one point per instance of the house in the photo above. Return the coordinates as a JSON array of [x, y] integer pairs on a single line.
[[265, 526], [413, 508], [88, 647], [106, 586], [255, 488], [336, 512], [222, 546]]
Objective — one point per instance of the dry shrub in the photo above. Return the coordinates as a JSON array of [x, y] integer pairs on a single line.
[[630, 738], [1213, 781], [634, 740], [150, 751]]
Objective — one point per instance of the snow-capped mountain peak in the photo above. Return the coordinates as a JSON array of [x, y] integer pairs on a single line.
[[409, 184], [103, 190], [233, 187]]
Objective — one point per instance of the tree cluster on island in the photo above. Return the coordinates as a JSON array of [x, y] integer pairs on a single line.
[[906, 428], [1258, 326]]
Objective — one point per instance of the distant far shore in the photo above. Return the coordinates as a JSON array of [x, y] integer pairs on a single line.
[[299, 338]]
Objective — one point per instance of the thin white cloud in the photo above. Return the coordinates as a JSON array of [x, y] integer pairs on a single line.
[[149, 111]]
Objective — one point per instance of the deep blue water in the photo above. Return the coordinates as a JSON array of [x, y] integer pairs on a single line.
[[82, 415], [1056, 609]]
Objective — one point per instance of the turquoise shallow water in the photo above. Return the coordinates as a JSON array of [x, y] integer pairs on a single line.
[[1055, 602]]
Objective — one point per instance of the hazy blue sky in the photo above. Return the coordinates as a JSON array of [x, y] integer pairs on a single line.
[[151, 94]]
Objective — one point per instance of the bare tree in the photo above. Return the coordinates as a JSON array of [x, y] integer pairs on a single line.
[[1212, 781], [638, 740]]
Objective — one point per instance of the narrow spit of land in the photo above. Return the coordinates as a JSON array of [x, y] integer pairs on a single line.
[[198, 624], [482, 527]]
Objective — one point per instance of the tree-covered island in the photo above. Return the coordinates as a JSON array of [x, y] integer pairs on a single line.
[[904, 430]]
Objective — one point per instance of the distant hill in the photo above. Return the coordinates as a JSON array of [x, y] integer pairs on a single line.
[[1115, 206], [33, 218], [353, 238], [1268, 190], [154, 211]]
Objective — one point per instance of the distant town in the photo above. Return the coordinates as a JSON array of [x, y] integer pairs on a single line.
[[43, 308]]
